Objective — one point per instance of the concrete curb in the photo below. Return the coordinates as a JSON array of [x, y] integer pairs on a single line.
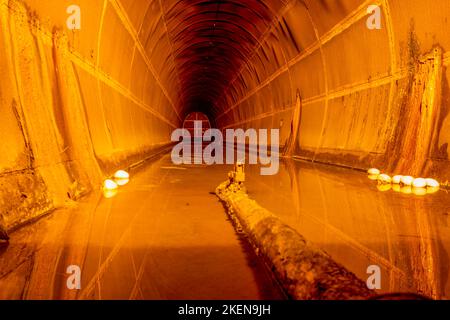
[[304, 271]]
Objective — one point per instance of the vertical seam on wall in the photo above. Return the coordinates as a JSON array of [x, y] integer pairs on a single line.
[[325, 76], [97, 67], [129, 27], [99, 38], [47, 91], [169, 38], [258, 45], [393, 59], [132, 115], [135, 46], [293, 95], [391, 37], [134, 55]]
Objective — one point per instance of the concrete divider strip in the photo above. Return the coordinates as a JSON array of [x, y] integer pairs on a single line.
[[304, 271]]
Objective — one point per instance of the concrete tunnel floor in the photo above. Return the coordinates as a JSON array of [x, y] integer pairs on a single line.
[[360, 224], [165, 236]]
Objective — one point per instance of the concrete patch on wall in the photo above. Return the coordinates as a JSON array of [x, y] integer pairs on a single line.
[[23, 197]]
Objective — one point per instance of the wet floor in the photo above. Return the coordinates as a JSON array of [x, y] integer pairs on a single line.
[[341, 210], [165, 236]]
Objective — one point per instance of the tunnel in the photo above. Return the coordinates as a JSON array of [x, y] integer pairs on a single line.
[[90, 87]]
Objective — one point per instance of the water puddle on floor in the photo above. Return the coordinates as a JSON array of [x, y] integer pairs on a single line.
[[343, 212]]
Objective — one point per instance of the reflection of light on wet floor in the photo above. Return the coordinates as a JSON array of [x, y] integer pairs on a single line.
[[170, 239], [403, 184], [109, 194], [122, 182], [408, 236]]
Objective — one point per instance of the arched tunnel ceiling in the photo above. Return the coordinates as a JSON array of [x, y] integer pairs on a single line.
[[207, 53], [211, 40]]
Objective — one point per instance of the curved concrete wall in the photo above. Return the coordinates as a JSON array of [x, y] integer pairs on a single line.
[[77, 105], [354, 93]]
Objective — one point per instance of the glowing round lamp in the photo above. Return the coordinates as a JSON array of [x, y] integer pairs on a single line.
[[109, 185], [397, 179], [407, 180], [121, 174], [432, 183]]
